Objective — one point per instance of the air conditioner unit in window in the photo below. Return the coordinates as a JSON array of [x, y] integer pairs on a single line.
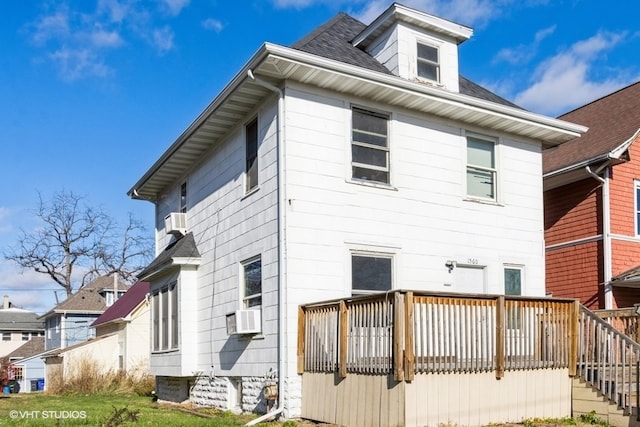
[[176, 223], [244, 322]]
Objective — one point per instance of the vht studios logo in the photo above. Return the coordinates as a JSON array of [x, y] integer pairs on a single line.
[[56, 415]]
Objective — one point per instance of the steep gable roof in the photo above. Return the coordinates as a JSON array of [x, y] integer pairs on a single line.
[[125, 304], [612, 121], [88, 299]]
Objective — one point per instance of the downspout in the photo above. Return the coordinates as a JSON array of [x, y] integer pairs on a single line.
[[606, 233], [281, 249]]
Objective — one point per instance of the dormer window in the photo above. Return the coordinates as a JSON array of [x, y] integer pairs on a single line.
[[428, 62]]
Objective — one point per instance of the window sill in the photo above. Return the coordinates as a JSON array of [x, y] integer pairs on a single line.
[[482, 201], [171, 350], [250, 193], [372, 184]]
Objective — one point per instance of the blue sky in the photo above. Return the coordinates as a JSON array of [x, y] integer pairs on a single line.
[[93, 91]]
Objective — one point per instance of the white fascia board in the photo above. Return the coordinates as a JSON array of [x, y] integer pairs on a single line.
[[389, 81], [452, 98]]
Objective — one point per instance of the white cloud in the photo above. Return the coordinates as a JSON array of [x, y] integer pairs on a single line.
[[523, 53], [108, 39], [212, 24], [163, 39], [564, 81], [174, 7], [78, 41], [52, 26], [74, 64]]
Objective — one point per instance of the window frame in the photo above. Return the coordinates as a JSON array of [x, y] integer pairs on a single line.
[[251, 172], [513, 318], [183, 198], [423, 60], [165, 310], [493, 169], [372, 254], [6, 336], [248, 300], [355, 144]]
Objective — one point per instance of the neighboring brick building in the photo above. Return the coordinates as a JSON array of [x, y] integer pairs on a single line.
[[592, 205]]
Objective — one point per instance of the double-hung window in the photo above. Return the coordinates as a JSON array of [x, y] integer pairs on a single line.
[[481, 167], [428, 62], [164, 318], [371, 272], [252, 283], [369, 146], [251, 145]]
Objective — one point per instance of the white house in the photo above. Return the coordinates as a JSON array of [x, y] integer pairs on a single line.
[[357, 160]]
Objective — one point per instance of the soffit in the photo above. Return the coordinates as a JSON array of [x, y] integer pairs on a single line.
[[275, 64]]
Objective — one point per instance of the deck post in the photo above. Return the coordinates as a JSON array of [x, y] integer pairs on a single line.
[[500, 338], [342, 340], [574, 338], [398, 336], [301, 336], [409, 355]]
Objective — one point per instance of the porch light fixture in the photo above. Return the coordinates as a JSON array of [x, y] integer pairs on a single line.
[[450, 264]]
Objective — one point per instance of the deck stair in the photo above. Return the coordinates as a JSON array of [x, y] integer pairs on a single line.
[[608, 372]]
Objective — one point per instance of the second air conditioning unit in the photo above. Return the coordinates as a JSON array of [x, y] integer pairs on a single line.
[[244, 322], [176, 223]]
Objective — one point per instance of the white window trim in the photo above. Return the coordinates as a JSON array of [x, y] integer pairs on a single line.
[[349, 163], [391, 252], [438, 47], [523, 281], [249, 191], [243, 297], [166, 288], [496, 168]]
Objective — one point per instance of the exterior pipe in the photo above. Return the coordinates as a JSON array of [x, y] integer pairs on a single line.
[[606, 233], [281, 250]]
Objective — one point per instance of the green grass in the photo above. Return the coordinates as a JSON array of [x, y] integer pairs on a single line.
[[106, 410]]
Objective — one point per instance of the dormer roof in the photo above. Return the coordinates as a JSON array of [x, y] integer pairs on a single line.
[[399, 13]]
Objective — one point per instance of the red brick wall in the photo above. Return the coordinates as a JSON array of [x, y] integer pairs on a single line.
[[576, 272], [571, 212]]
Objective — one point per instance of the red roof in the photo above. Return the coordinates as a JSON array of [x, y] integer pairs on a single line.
[[125, 304]]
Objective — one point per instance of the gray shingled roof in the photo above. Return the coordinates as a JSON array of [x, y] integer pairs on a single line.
[[29, 348], [88, 299], [15, 319], [332, 40], [184, 247]]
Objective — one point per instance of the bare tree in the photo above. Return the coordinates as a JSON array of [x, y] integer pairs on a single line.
[[75, 236]]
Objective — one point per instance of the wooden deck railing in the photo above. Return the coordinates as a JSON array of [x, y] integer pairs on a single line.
[[609, 360], [625, 320], [405, 333]]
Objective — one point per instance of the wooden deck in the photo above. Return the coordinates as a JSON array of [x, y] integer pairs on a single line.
[[408, 358]]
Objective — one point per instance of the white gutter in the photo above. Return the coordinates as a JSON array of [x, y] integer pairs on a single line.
[[606, 234], [282, 308]]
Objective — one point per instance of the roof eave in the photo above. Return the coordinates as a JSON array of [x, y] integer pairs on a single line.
[[270, 57]]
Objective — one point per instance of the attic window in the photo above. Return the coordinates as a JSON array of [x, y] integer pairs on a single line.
[[428, 62]]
